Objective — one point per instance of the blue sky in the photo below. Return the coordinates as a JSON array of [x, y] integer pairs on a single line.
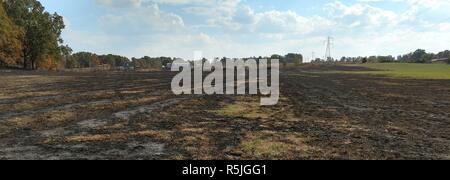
[[242, 28]]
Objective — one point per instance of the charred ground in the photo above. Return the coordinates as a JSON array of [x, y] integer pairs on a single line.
[[134, 115]]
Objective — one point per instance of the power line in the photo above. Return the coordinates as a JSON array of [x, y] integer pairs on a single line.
[[328, 50]]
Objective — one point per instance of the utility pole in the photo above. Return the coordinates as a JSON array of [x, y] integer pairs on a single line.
[[312, 57], [328, 51]]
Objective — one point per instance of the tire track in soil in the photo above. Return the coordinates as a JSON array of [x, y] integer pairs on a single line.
[[76, 93], [50, 102], [133, 148]]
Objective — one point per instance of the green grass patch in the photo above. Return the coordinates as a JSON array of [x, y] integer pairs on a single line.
[[273, 145], [243, 109], [406, 70], [264, 148]]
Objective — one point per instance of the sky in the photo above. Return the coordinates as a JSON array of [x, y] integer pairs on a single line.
[[244, 28]]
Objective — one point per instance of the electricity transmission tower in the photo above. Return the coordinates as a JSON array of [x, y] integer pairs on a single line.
[[328, 51]]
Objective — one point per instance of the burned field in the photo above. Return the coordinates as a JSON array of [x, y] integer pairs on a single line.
[[134, 115]]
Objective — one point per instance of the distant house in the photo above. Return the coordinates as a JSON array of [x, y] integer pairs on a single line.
[[440, 60], [168, 67], [125, 67]]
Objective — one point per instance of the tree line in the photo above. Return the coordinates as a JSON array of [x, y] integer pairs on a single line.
[[421, 56], [290, 58], [88, 60], [418, 56]]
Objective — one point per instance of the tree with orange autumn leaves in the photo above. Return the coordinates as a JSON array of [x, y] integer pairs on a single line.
[[10, 44], [31, 36]]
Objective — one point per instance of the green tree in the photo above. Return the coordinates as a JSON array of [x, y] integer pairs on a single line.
[[385, 59], [114, 60], [281, 58], [150, 63], [448, 59], [364, 60], [297, 59], [42, 31], [10, 36], [426, 58], [66, 55], [72, 63], [166, 60], [443, 54], [418, 56], [84, 60]]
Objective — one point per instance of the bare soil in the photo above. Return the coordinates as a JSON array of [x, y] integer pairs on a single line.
[[134, 115]]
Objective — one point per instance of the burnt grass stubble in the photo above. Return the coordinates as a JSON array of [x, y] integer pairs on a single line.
[[134, 115]]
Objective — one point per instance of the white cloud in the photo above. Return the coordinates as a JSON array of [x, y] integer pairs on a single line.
[[120, 3], [363, 14], [233, 28], [145, 19], [238, 17], [178, 2], [290, 22], [397, 42]]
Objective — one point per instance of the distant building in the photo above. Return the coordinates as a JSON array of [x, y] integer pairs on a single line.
[[168, 67], [125, 67], [440, 60]]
